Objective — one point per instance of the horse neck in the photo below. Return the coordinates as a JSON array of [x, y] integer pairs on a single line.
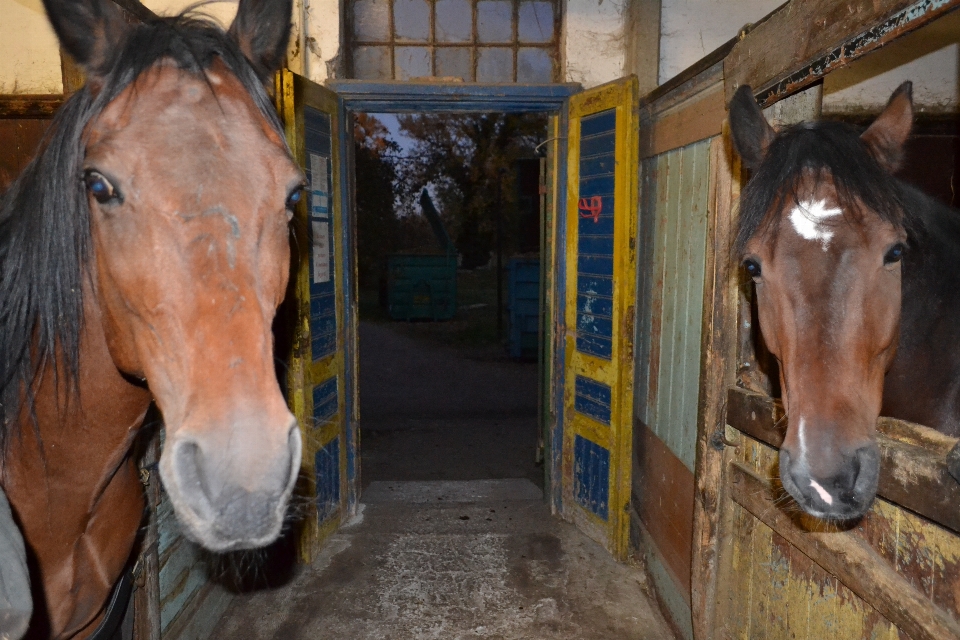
[[923, 384], [72, 484]]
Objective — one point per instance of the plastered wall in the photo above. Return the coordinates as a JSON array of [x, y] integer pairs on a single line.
[[314, 41], [593, 41], [29, 55], [690, 29]]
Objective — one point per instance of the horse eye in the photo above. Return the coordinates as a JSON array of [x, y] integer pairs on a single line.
[[100, 188], [752, 267], [295, 197], [894, 254]]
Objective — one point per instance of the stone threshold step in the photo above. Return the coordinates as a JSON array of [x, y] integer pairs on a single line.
[[450, 491]]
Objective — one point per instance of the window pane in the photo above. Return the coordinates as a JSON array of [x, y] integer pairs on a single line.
[[371, 20], [413, 62], [454, 62], [494, 64], [454, 21], [411, 20], [494, 21], [372, 63], [534, 65], [535, 22]]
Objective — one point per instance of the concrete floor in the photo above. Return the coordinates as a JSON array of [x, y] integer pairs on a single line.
[[445, 561], [452, 539]]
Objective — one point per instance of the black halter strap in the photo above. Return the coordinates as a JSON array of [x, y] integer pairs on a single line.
[[116, 608]]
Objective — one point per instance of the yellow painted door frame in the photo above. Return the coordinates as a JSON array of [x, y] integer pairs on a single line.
[[317, 382], [600, 289]]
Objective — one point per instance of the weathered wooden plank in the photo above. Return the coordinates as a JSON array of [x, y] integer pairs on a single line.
[[670, 163], [135, 9], [666, 504], [913, 467], [851, 560], [695, 239], [29, 105], [147, 594], [823, 35], [698, 118], [19, 140], [712, 511]]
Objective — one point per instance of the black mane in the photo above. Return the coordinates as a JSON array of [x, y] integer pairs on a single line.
[[44, 216], [828, 149]]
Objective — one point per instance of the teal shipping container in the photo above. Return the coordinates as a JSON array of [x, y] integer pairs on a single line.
[[422, 287], [523, 300]]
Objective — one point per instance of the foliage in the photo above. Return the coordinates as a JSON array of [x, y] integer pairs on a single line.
[[470, 161], [376, 197]]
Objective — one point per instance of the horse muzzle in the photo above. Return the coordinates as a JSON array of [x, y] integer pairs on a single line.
[[228, 500], [844, 492]]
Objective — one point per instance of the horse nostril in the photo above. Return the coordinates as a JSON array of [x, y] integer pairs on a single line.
[[188, 468]]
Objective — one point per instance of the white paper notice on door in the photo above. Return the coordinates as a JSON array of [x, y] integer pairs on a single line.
[[319, 183], [321, 251]]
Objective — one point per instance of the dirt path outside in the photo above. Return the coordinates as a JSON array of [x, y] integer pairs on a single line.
[[429, 411]]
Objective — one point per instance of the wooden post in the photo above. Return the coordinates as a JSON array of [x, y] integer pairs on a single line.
[[146, 595], [718, 368]]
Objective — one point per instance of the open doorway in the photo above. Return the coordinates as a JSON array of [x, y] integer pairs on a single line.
[[448, 229]]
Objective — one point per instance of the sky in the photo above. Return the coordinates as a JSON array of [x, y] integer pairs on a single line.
[[390, 121]]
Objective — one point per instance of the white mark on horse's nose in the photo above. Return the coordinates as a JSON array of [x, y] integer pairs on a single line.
[[826, 497], [807, 219]]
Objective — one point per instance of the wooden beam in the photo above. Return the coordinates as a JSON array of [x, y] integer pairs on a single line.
[[699, 118], [913, 458], [803, 41], [136, 9], [851, 560], [34, 106]]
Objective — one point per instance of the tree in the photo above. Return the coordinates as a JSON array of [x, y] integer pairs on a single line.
[[376, 197], [470, 161]]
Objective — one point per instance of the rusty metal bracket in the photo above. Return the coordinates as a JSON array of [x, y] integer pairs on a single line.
[[719, 440]]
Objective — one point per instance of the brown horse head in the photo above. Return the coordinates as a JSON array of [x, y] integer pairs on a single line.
[[190, 188], [821, 234]]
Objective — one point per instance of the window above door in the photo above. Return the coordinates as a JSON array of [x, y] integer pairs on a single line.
[[454, 40]]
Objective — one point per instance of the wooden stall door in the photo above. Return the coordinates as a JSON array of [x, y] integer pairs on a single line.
[[317, 384], [603, 146]]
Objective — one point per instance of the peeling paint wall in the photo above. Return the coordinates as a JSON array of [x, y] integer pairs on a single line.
[[29, 54], [323, 19], [690, 29], [592, 43], [930, 57]]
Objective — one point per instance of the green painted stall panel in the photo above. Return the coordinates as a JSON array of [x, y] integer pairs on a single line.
[[674, 222]]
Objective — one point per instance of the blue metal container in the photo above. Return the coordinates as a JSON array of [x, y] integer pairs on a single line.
[[523, 301], [422, 287]]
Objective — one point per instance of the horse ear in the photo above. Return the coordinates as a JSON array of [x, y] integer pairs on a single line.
[[89, 30], [888, 133], [262, 30], [752, 134]]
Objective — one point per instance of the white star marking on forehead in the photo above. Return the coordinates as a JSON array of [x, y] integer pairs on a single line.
[[807, 219]]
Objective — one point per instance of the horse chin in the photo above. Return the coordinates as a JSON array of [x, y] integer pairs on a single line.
[[222, 534]]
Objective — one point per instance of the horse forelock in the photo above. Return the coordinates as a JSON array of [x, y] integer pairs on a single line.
[[44, 215], [807, 154]]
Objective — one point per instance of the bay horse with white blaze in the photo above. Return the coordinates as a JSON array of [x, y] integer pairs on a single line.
[[143, 255], [858, 293]]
